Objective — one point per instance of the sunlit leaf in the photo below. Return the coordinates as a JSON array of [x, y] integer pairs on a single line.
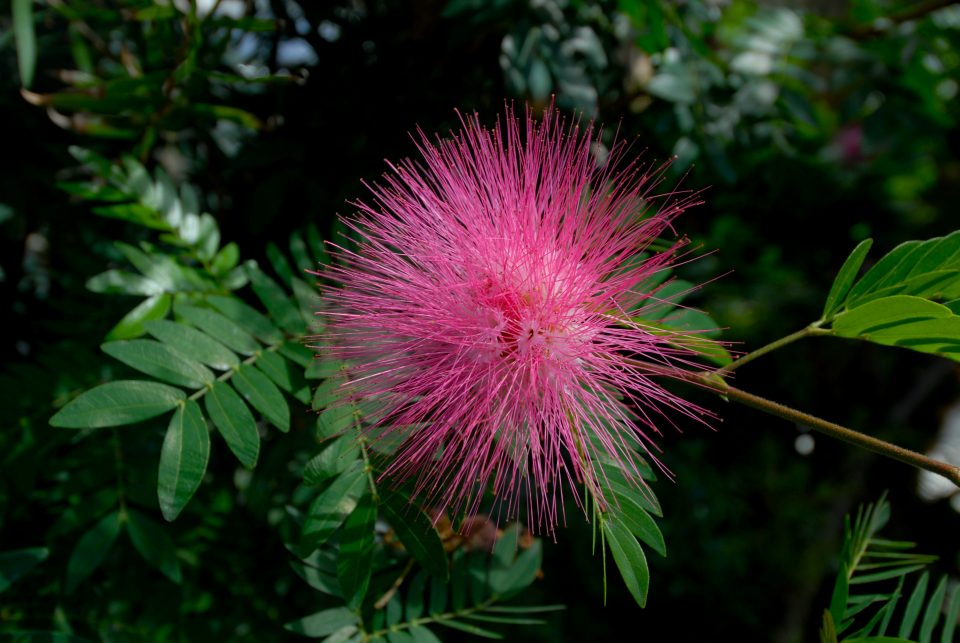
[[132, 324]]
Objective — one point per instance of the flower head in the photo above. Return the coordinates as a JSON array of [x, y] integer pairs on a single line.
[[489, 310]]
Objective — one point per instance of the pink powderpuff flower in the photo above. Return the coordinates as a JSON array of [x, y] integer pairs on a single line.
[[487, 313]]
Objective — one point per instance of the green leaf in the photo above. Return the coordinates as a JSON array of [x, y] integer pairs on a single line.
[[279, 262], [309, 301], [26, 40], [332, 506], [117, 403], [321, 368], [845, 278], [92, 549], [332, 461], [471, 629], [132, 324], [235, 422], [248, 318], [630, 560], [355, 561], [194, 343], [301, 256], [17, 563], [335, 420], [151, 540], [951, 617], [638, 522], [932, 613], [323, 623], [438, 596], [262, 395], [905, 321], [160, 360], [420, 634], [183, 459], [296, 353], [416, 593], [123, 283], [328, 393], [914, 604], [164, 270], [279, 370], [226, 259], [885, 313], [417, 533], [520, 572], [664, 299], [880, 271], [318, 250], [275, 300], [215, 324]]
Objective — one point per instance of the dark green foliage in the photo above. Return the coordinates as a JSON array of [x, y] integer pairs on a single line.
[[199, 157], [883, 610]]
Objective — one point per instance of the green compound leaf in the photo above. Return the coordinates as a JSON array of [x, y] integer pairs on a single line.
[[227, 332], [183, 459], [133, 323], [117, 403], [192, 342], [845, 278], [17, 563], [92, 549], [630, 560], [929, 269], [235, 422], [151, 540], [355, 560], [332, 506], [417, 533], [905, 321], [160, 360], [323, 623]]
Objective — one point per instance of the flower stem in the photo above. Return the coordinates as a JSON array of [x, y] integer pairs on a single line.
[[870, 443], [809, 331]]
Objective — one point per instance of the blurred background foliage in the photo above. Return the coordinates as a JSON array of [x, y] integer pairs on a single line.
[[808, 125]]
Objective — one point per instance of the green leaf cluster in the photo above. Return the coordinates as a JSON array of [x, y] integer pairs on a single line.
[[910, 298], [870, 601]]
